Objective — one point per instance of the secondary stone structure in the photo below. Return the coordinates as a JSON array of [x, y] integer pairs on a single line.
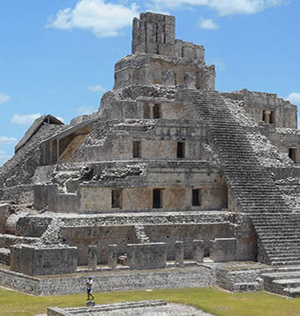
[[167, 174]]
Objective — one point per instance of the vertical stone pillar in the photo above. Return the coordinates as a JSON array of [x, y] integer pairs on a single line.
[[92, 257], [179, 253], [44, 154], [151, 107], [198, 250], [112, 256], [51, 152], [267, 116], [57, 150]]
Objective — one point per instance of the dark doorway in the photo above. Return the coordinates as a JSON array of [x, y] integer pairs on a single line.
[[136, 149], [196, 198], [116, 198], [156, 111], [180, 149], [157, 198], [293, 154]]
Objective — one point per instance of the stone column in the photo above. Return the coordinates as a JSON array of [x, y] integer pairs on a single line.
[[267, 116], [51, 152], [92, 257], [198, 250], [57, 150], [151, 106], [44, 154], [112, 256], [179, 253]]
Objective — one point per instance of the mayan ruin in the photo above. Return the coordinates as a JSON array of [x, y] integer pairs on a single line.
[[170, 184]]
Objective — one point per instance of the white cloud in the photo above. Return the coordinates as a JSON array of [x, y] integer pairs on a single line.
[[7, 140], [207, 24], [86, 110], [294, 97], [26, 119], [4, 97], [224, 7], [97, 88], [3, 157], [104, 19]]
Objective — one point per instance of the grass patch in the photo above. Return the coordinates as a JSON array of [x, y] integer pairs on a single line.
[[210, 300]]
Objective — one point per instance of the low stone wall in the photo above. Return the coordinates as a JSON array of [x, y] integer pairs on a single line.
[[188, 277], [19, 282]]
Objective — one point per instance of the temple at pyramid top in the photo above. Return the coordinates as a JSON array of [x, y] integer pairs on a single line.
[[159, 59], [155, 34]]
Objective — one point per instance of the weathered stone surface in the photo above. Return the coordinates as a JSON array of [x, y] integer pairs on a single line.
[[127, 280], [147, 256], [141, 308], [179, 253], [112, 256], [198, 250], [92, 257], [223, 249], [43, 260]]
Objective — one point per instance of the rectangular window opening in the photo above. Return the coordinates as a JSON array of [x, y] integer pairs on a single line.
[[268, 117], [136, 149], [116, 198], [180, 149], [196, 198], [156, 111], [293, 154], [157, 198]]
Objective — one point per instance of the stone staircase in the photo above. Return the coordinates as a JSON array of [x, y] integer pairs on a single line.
[[249, 183], [283, 280]]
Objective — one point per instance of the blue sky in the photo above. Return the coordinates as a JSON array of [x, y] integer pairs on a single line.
[[57, 56]]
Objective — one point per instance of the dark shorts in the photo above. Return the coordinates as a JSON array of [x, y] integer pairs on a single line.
[[89, 291]]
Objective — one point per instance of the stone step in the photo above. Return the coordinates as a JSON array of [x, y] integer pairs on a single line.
[[246, 286], [281, 275], [284, 283], [285, 262], [293, 292]]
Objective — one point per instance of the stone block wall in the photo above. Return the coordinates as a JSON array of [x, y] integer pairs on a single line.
[[43, 260], [158, 140], [120, 235], [286, 139], [101, 237], [223, 249], [187, 233], [98, 199], [155, 34], [285, 114], [147, 256], [148, 70]]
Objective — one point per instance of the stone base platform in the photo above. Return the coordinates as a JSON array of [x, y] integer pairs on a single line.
[[142, 308], [193, 276]]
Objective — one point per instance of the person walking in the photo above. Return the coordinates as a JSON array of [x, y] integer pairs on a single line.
[[89, 285]]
